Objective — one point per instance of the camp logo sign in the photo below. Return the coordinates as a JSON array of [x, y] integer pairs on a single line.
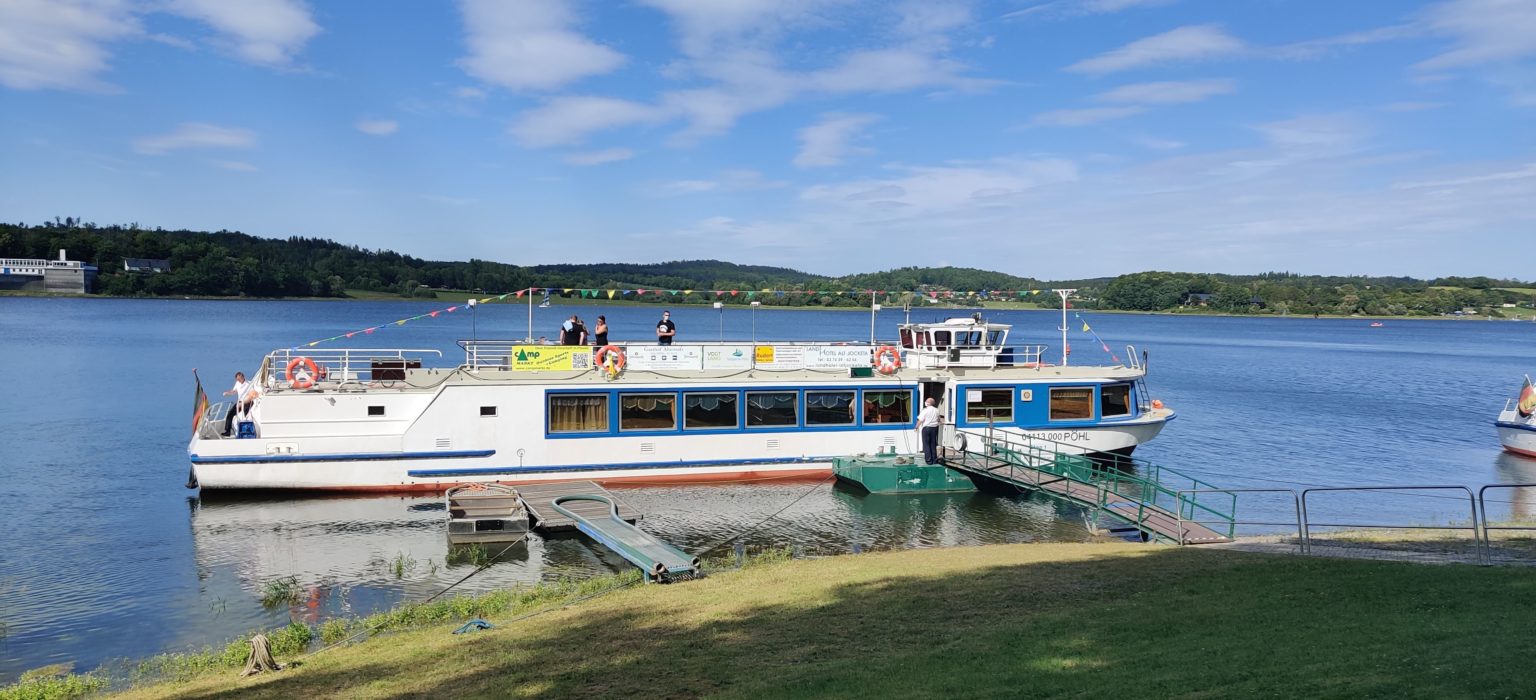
[[728, 357], [550, 358]]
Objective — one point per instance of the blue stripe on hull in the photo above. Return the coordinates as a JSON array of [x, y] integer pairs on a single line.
[[495, 471], [354, 457], [1516, 426]]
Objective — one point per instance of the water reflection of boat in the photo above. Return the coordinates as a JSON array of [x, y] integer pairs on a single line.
[[1517, 422]]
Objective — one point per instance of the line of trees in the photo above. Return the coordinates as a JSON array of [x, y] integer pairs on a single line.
[[227, 263]]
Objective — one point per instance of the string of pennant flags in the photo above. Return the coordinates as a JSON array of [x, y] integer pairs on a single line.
[[1089, 330], [591, 293]]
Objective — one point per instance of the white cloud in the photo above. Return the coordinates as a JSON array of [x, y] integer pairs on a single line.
[[827, 142], [377, 127], [609, 155], [1191, 43], [60, 44], [1167, 92], [567, 120], [681, 187], [236, 165], [530, 45], [1411, 106], [195, 135], [1078, 8], [1083, 117], [929, 17], [1314, 132], [893, 70], [469, 93], [1158, 144], [1483, 32], [919, 191], [265, 32], [1522, 173]]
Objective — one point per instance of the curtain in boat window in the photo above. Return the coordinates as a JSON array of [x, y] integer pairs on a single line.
[[887, 407], [709, 410], [776, 408], [1115, 400], [1072, 403], [647, 411], [575, 413], [828, 407]]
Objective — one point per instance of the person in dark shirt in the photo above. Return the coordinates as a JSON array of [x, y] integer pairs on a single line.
[[665, 329], [568, 331], [600, 331], [580, 331]]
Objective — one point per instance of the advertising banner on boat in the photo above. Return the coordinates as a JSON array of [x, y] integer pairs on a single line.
[[836, 356], [664, 357], [820, 357], [530, 358], [728, 356]]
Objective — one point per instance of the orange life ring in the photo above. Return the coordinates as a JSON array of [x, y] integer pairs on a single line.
[[887, 359], [303, 381], [611, 351], [1157, 403]]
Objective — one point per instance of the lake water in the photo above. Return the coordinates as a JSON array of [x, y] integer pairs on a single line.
[[105, 555]]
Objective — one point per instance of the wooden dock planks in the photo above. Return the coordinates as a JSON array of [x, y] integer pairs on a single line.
[[539, 498], [1155, 520]]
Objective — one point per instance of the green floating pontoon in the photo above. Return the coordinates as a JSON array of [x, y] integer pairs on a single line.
[[897, 474]]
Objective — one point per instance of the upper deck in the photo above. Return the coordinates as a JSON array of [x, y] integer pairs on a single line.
[[928, 351]]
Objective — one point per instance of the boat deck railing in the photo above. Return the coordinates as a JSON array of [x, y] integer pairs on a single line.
[[494, 354], [342, 366]]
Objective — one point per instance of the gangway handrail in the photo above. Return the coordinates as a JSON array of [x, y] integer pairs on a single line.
[[1232, 524]]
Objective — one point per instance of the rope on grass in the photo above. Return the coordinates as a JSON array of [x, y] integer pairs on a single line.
[[260, 659]]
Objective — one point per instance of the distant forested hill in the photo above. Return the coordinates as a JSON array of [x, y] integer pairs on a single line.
[[228, 263]]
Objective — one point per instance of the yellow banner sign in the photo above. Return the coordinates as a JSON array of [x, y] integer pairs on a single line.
[[533, 358], [765, 354]]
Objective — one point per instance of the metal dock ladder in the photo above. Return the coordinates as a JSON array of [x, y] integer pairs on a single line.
[[1152, 499]]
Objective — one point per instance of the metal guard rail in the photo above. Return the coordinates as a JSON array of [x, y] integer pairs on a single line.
[[343, 365]]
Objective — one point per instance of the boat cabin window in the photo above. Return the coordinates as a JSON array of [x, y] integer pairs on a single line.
[[1072, 403], [488, 411], [772, 408], [887, 407], [980, 403], [941, 339], [647, 411], [1115, 400], [829, 408], [968, 339], [906, 338], [995, 338], [578, 413], [709, 411], [375, 410]]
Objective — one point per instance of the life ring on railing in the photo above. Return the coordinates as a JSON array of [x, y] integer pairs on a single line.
[[611, 359], [302, 380], [887, 359]]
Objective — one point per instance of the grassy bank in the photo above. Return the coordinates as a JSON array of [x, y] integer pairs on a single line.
[[1010, 620]]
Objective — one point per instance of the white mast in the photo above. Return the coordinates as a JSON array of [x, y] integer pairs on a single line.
[[529, 339], [1064, 293]]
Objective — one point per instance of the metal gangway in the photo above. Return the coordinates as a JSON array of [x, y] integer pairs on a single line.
[[1161, 503], [660, 561]]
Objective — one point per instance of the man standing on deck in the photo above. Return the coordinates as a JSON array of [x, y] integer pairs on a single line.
[[928, 422], [568, 331], [665, 329]]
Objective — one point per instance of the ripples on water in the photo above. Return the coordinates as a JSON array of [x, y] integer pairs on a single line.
[[105, 555]]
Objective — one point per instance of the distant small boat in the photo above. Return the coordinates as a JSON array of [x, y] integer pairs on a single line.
[[1517, 422], [1377, 324], [544, 305]]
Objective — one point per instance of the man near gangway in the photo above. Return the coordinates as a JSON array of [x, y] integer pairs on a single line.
[[928, 422]]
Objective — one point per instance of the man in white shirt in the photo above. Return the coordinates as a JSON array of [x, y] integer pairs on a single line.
[[244, 392], [928, 422]]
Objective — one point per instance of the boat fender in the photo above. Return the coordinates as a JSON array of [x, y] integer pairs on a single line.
[[960, 442], [611, 358], [887, 359], [302, 380], [1157, 403]]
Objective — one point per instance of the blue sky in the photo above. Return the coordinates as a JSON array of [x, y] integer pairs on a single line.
[[1048, 138]]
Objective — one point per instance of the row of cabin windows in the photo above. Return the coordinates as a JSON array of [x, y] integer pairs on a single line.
[[944, 339], [720, 410], [1067, 403]]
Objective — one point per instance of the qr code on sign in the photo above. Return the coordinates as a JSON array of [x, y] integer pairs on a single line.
[[581, 361]]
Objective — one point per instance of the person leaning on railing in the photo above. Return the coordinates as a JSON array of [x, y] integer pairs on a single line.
[[245, 395]]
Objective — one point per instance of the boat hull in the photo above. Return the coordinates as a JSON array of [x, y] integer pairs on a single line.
[[423, 474]]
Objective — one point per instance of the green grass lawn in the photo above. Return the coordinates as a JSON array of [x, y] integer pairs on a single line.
[[1034, 620]]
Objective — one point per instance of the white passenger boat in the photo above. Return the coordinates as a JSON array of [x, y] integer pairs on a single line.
[[513, 412], [1517, 422]]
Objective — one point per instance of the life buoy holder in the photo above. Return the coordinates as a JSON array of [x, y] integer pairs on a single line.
[[887, 359], [302, 380], [611, 359]]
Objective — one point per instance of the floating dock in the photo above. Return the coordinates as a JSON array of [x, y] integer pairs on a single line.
[[890, 474], [540, 498]]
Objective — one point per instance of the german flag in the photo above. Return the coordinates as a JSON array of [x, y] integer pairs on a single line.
[[199, 404]]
